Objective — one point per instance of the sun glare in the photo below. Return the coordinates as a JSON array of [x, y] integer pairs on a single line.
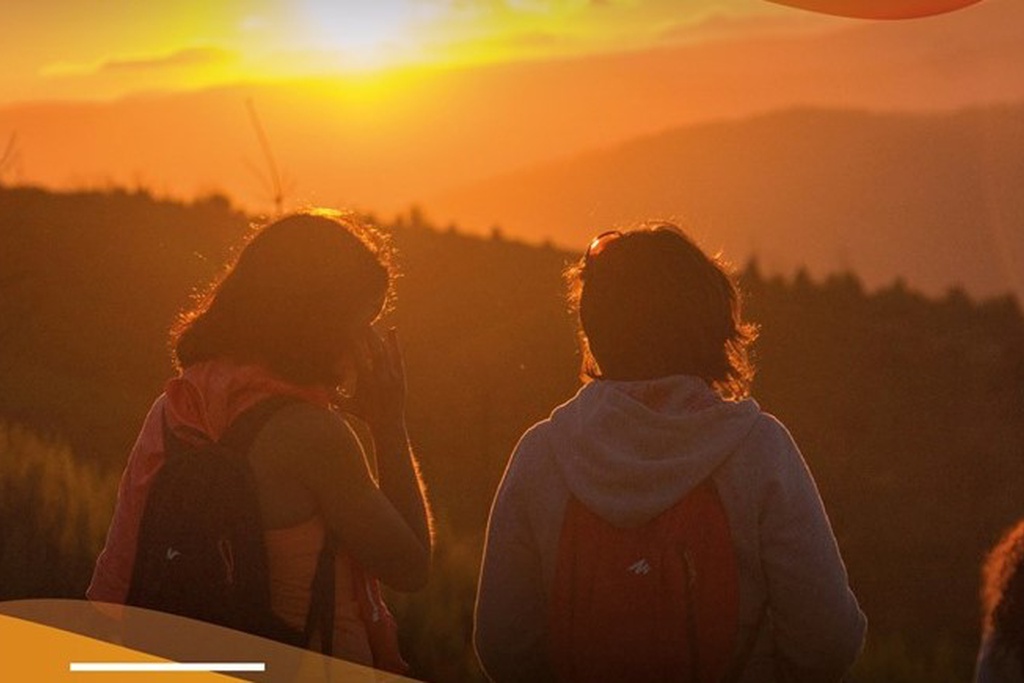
[[363, 36]]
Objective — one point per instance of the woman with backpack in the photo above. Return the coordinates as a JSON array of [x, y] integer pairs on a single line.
[[1001, 655], [290, 319], [659, 526]]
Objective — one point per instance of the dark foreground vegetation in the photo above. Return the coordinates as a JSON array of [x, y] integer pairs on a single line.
[[909, 410]]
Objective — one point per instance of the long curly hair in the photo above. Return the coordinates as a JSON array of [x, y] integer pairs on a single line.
[[650, 303], [1002, 593]]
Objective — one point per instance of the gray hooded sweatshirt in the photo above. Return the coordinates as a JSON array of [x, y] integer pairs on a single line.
[[629, 451]]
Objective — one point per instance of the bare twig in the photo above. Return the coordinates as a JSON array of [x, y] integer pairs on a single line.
[[268, 155], [10, 154]]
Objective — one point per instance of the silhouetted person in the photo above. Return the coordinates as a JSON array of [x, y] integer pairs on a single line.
[[292, 316], [1001, 656], [663, 411]]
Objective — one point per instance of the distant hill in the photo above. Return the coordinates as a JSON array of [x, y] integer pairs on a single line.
[[932, 198]]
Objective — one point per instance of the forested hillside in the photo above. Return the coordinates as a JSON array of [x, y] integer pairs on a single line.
[[909, 410]]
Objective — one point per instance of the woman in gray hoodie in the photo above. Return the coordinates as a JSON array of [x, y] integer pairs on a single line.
[[665, 407]]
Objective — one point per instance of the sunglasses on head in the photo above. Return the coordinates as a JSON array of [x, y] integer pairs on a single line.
[[601, 242], [598, 244]]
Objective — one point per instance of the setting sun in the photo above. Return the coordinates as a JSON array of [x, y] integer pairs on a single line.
[[362, 37]]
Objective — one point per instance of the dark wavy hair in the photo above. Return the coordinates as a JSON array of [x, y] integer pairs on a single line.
[[292, 299], [651, 303], [1002, 593]]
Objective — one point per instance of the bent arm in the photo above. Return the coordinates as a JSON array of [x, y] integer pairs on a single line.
[[380, 403], [818, 625], [381, 528], [400, 481]]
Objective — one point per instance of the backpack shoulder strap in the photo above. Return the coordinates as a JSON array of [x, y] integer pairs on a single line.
[[242, 431], [238, 438]]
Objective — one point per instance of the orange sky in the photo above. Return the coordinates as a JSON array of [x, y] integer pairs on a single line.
[[69, 49], [483, 88]]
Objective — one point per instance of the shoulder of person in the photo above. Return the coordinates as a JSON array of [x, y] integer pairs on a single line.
[[534, 446], [307, 428], [532, 459], [769, 449], [769, 433]]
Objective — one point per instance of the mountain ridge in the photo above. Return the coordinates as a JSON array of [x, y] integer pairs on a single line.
[[925, 197]]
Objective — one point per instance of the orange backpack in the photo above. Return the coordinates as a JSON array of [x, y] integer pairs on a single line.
[[659, 602]]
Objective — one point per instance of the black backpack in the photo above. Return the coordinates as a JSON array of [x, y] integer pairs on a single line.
[[201, 552]]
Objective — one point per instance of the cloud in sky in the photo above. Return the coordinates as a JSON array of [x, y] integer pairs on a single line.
[[189, 57], [194, 57]]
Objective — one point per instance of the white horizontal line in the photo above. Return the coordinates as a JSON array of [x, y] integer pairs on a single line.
[[165, 667]]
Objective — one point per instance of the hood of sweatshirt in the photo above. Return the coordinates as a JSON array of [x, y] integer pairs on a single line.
[[630, 450]]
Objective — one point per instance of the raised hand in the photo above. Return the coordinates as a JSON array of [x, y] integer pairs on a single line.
[[379, 396]]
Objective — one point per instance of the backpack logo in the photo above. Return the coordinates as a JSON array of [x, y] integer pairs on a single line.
[[172, 553], [640, 567]]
